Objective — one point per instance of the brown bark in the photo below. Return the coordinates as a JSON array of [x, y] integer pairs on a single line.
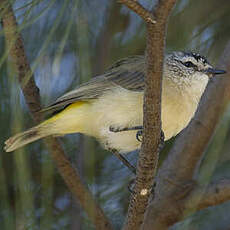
[[215, 194], [174, 194], [31, 93], [136, 7], [186, 153], [148, 156]]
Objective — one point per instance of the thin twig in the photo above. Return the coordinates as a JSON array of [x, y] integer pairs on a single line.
[[136, 7], [31, 93], [148, 157]]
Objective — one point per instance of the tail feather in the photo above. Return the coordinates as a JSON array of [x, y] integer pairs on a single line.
[[24, 138], [62, 123]]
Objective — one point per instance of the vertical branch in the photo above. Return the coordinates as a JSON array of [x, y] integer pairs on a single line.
[[31, 92], [189, 148], [15, 48], [148, 157]]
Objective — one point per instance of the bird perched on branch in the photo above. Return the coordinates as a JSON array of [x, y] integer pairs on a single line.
[[110, 107]]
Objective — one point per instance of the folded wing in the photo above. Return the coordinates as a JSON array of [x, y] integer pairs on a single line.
[[127, 73]]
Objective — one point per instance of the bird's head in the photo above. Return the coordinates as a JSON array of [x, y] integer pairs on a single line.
[[189, 66]]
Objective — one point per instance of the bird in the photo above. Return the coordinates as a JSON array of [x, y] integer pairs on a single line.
[[109, 107]]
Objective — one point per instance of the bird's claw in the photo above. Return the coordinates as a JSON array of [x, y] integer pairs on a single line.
[[162, 141], [131, 185], [139, 135]]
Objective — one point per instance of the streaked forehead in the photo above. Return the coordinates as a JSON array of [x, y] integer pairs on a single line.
[[190, 56]]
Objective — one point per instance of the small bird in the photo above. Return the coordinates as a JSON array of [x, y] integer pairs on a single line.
[[109, 107]]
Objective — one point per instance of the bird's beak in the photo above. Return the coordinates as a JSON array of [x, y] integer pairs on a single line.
[[212, 71]]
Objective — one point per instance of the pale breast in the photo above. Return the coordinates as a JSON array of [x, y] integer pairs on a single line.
[[123, 108], [179, 103], [119, 108], [176, 114]]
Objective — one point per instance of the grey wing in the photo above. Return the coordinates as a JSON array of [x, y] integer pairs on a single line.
[[127, 73]]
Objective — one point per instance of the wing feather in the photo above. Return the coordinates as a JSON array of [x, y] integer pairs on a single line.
[[127, 73]]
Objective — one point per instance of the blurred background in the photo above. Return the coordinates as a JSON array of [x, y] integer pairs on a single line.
[[67, 42]]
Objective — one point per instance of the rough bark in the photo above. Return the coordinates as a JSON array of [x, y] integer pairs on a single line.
[[148, 157], [16, 51], [179, 167]]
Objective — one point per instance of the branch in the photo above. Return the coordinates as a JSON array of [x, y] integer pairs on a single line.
[[136, 7], [148, 156], [15, 48], [31, 94], [215, 194], [183, 200], [189, 148]]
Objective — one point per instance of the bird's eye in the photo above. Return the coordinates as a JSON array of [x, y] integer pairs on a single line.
[[188, 64]]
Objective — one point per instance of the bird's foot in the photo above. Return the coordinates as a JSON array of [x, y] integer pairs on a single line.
[[162, 141], [139, 135], [119, 129], [131, 185]]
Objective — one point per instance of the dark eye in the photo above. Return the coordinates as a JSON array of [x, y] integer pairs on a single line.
[[188, 64]]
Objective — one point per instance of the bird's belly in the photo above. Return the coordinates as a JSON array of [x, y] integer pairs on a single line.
[[176, 114], [124, 110], [123, 142]]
